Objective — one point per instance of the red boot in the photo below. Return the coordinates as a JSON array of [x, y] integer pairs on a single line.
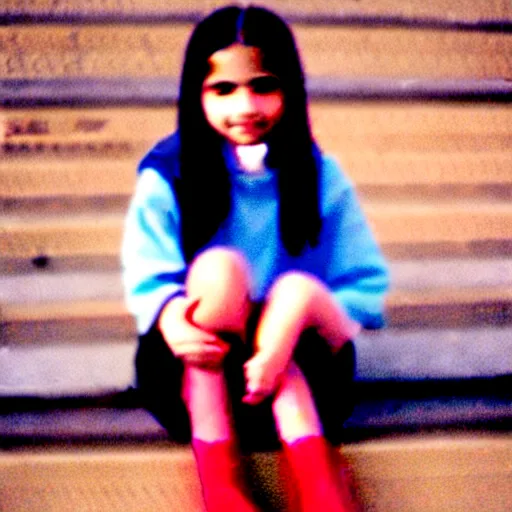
[[219, 468], [289, 484], [315, 470]]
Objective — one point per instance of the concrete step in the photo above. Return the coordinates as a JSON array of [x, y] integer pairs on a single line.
[[45, 285], [457, 472], [397, 226], [66, 321], [159, 91], [341, 128], [34, 179], [94, 360], [93, 365], [414, 11], [456, 273], [405, 309], [431, 353], [68, 332], [381, 408], [39, 51], [88, 283], [33, 183]]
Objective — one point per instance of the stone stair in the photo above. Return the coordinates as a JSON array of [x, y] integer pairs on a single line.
[[414, 101], [440, 205]]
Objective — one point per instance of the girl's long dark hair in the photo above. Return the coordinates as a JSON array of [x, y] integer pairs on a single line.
[[203, 188]]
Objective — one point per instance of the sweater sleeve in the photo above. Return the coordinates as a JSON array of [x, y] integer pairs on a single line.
[[153, 265], [355, 268]]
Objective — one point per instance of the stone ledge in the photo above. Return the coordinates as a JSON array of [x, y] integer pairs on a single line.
[[490, 15], [382, 408], [164, 90]]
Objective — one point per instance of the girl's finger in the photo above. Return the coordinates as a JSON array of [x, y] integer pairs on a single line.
[[199, 361], [189, 311], [253, 398], [191, 334], [204, 360], [200, 348], [220, 344]]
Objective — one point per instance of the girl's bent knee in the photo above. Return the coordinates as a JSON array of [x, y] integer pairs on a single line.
[[294, 286], [217, 268], [220, 278]]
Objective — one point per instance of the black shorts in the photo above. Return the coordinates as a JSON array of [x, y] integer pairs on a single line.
[[330, 378]]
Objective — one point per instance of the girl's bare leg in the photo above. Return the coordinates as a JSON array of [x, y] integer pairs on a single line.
[[313, 476], [294, 409], [219, 279]]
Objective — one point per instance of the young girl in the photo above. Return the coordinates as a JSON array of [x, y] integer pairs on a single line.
[[249, 267]]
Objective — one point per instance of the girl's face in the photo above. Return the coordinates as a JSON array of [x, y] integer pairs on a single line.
[[241, 100]]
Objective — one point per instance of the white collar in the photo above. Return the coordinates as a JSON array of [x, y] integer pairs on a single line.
[[251, 158]]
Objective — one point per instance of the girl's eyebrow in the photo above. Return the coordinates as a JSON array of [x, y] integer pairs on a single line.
[[230, 83]]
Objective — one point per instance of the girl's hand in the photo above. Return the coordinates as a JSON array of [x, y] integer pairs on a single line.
[[187, 340], [262, 376]]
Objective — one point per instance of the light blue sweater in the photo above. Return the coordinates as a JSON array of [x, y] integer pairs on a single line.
[[347, 257]]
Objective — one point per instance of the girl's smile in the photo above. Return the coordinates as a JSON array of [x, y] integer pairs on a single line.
[[241, 100]]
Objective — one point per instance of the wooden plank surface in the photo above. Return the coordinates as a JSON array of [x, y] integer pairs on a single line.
[[138, 50], [434, 474], [459, 10], [459, 473], [97, 482]]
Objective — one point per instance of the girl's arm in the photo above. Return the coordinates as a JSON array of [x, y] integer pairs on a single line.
[[153, 265], [192, 344], [154, 274], [352, 264]]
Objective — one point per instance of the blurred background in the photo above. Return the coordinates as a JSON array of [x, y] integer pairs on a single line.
[[414, 100]]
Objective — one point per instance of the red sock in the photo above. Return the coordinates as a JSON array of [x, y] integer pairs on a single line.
[[219, 468], [318, 477]]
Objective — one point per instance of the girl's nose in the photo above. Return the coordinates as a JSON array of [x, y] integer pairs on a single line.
[[246, 101]]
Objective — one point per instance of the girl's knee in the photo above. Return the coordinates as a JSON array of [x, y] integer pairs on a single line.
[[217, 267], [220, 278], [293, 287]]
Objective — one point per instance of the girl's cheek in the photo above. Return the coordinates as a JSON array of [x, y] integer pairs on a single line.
[[278, 108]]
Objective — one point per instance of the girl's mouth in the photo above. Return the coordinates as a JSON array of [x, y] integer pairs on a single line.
[[248, 125]]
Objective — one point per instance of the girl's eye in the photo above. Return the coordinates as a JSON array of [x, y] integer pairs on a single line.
[[265, 84], [223, 88]]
